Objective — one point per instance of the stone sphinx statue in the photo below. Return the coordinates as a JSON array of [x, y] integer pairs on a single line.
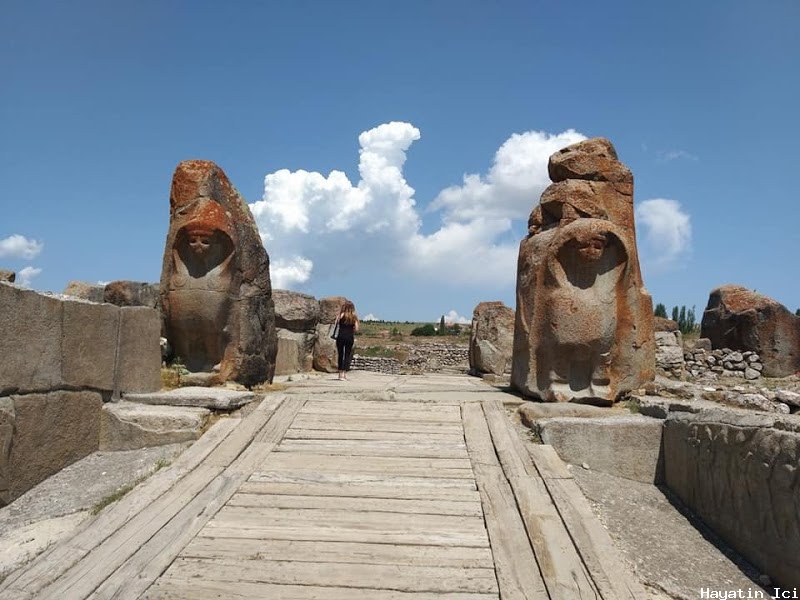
[[216, 296], [584, 329]]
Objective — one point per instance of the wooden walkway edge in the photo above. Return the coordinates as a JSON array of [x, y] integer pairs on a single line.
[[346, 496]]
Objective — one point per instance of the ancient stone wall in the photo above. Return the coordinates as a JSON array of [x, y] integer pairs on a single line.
[[724, 362], [377, 364], [739, 472], [61, 358], [743, 320], [434, 357]]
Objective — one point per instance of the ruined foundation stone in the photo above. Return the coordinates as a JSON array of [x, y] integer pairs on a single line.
[[216, 295], [296, 318], [741, 319], [491, 339], [60, 359], [131, 293], [584, 322], [93, 292], [739, 472]]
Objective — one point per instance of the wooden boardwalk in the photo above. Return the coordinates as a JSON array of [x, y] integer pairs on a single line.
[[377, 489]]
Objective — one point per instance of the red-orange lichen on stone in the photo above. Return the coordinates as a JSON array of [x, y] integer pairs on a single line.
[[584, 322]]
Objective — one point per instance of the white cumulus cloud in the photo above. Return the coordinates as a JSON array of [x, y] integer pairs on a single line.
[[316, 226], [665, 233], [514, 182], [18, 246], [453, 317], [289, 272], [370, 317], [26, 275]]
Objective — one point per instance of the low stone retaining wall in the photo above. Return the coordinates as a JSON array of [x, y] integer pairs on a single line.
[[61, 358], [433, 357], [740, 472], [377, 364], [725, 362]]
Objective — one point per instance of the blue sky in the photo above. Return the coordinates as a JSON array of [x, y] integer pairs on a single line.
[[101, 100]]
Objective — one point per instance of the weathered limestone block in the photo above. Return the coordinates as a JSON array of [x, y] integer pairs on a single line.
[[669, 352], [295, 311], [89, 344], [330, 307], [204, 397], [131, 293], [741, 319], [6, 437], [492, 338], [216, 295], [325, 350], [739, 473], [584, 321], [50, 431], [138, 366], [93, 292], [30, 345], [295, 351], [129, 425], [628, 446], [8, 276]]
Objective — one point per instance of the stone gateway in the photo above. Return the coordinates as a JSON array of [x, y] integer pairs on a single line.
[[215, 293], [584, 322]]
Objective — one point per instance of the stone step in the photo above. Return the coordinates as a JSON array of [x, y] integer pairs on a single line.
[[130, 425], [212, 398]]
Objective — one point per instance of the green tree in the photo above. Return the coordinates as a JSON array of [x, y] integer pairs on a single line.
[[661, 310], [682, 318], [425, 330], [442, 330], [797, 312], [675, 313]]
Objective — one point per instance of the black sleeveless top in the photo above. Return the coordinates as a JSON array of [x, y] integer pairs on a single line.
[[346, 331]]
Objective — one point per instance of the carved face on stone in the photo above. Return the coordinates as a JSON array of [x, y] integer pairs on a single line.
[[199, 241], [591, 248]]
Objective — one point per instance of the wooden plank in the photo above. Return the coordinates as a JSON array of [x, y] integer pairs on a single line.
[[612, 577], [304, 532], [563, 571], [395, 406], [338, 434], [27, 581], [194, 589], [151, 558], [389, 505], [510, 449], [515, 564], [393, 465], [344, 424], [547, 462], [336, 411], [362, 490], [375, 448], [204, 482], [401, 578], [354, 479], [249, 516], [339, 552]]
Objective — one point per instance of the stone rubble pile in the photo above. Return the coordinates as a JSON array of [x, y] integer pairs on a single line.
[[702, 362], [670, 354]]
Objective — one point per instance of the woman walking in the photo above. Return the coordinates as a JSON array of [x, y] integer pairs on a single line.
[[347, 322]]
